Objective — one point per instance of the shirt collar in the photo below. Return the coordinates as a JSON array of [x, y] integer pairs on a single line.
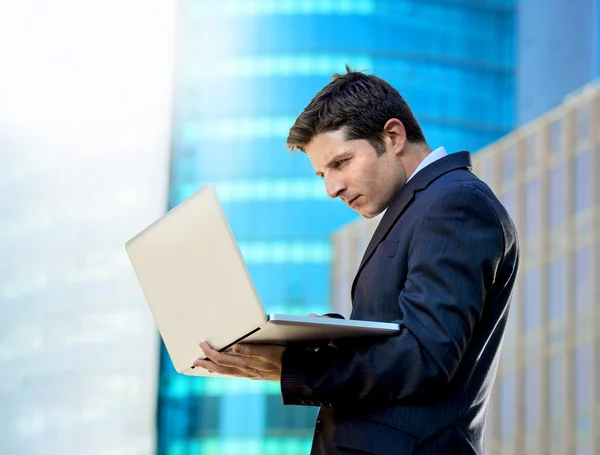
[[438, 153]]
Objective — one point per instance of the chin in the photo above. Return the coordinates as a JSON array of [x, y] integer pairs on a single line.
[[369, 212], [367, 215]]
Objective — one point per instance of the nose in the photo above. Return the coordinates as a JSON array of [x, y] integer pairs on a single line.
[[334, 185]]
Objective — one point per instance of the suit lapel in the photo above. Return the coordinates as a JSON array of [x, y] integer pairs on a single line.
[[405, 196]]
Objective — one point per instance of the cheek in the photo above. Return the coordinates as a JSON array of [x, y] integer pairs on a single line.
[[380, 177], [383, 184], [371, 178], [370, 175]]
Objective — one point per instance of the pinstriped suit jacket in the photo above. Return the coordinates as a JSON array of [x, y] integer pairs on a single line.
[[442, 263]]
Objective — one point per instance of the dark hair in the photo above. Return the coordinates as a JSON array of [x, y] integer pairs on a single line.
[[361, 104]]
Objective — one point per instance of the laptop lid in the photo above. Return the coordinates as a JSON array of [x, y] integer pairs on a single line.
[[194, 278]]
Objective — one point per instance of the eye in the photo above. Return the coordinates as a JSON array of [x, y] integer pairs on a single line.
[[338, 163]]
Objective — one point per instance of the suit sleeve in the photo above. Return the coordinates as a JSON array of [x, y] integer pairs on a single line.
[[453, 257]]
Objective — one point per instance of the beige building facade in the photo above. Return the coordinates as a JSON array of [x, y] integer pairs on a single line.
[[546, 395]]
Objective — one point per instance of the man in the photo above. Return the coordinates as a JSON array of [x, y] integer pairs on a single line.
[[441, 263]]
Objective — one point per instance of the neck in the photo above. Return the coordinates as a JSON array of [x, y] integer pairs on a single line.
[[413, 155]]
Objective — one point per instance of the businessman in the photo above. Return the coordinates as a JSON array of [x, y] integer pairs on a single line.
[[442, 263]]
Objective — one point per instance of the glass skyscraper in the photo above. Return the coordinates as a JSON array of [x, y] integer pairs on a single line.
[[558, 52], [244, 70]]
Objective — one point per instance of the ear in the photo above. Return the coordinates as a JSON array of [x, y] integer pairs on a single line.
[[395, 135]]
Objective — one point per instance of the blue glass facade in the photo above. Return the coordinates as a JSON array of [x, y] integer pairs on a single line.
[[245, 69], [558, 52]]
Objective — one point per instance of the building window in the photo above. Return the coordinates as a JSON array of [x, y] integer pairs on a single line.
[[583, 379], [557, 399], [583, 181], [284, 7], [509, 165], [531, 151], [532, 208], [281, 419], [264, 189], [558, 200], [205, 415], [509, 199], [556, 137], [532, 396], [583, 122], [532, 300], [508, 404], [585, 448], [508, 447], [242, 415], [557, 288], [582, 273], [288, 64], [285, 252]]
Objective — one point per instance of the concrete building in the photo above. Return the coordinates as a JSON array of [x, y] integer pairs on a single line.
[[546, 393]]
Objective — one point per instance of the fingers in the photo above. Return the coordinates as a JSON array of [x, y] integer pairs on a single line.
[[267, 352], [215, 368], [221, 358], [227, 371], [233, 364], [247, 350]]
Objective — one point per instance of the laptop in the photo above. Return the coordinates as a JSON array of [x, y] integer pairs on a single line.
[[198, 288]]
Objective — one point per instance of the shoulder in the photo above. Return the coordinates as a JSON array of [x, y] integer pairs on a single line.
[[458, 193], [460, 187], [465, 203], [468, 202]]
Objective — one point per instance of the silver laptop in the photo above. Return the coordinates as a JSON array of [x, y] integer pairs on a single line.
[[198, 288]]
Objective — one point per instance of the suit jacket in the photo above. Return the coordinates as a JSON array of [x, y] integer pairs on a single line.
[[441, 263]]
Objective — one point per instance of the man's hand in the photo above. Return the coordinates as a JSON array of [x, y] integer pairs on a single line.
[[246, 361]]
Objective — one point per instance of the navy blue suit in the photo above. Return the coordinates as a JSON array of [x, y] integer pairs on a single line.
[[442, 263]]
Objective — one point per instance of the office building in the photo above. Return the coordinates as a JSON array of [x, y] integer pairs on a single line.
[[546, 395]]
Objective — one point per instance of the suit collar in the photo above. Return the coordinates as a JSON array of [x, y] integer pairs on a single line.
[[434, 155], [405, 195]]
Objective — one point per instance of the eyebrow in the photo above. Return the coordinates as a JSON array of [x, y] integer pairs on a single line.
[[338, 157]]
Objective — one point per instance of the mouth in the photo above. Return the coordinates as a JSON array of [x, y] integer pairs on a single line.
[[352, 201]]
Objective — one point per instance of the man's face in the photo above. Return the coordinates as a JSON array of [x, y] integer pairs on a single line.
[[353, 172]]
